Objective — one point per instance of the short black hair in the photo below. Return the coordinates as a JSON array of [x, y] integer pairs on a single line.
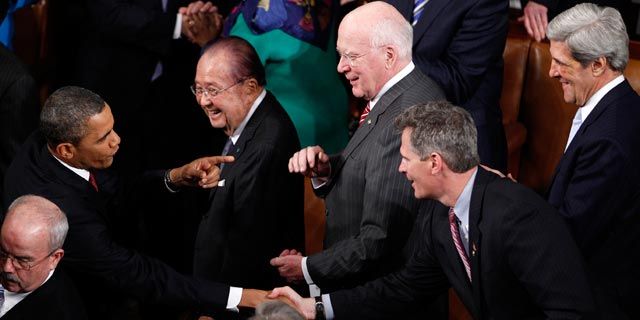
[[65, 114]]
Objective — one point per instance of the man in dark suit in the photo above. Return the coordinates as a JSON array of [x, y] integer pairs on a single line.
[[66, 161], [19, 105], [502, 248], [137, 55], [596, 185], [367, 225], [31, 239], [459, 44], [257, 209]]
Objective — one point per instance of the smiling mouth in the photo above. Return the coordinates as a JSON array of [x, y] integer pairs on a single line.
[[214, 113]]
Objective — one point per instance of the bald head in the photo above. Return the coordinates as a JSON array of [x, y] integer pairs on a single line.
[[382, 24], [31, 241], [31, 215]]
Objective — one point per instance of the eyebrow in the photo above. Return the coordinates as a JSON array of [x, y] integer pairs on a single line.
[[105, 135]]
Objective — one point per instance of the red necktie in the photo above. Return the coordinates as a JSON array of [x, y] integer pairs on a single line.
[[455, 233], [92, 181], [364, 115]]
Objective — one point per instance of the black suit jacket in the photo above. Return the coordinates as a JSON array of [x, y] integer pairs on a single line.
[[56, 299], [19, 107], [459, 44], [524, 262], [370, 207], [596, 188], [259, 210], [114, 53], [101, 268]]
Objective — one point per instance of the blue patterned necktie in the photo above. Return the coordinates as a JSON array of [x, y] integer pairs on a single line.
[[225, 150], [1, 297], [418, 10]]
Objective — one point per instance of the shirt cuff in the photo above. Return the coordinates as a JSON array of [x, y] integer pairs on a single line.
[[178, 28], [328, 308], [235, 294]]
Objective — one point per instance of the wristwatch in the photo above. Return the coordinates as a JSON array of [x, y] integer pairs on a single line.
[[320, 309]]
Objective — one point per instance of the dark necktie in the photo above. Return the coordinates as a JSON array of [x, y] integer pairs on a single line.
[[455, 233], [92, 181], [418, 9], [364, 114], [225, 150]]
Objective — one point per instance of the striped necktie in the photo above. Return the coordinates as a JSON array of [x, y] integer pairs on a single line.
[[364, 115], [418, 10], [455, 234]]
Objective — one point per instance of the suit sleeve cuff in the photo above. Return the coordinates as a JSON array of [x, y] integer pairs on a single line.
[[305, 271], [235, 294]]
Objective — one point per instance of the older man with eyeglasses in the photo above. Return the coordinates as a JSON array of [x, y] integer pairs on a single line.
[[257, 209], [30, 248], [370, 207]]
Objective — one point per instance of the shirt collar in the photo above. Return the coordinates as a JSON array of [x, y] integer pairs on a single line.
[[395, 79], [462, 205], [236, 133], [595, 99], [13, 298], [84, 174]]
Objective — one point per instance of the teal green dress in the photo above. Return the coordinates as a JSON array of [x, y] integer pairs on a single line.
[[304, 79]]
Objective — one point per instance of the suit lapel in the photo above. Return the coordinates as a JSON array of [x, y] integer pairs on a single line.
[[483, 178], [432, 10], [372, 119], [610, 98], [246, 136]]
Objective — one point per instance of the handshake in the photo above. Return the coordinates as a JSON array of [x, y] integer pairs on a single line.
[[201, 22], [254, 298]]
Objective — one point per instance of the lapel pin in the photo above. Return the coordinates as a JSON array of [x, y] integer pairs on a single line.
[[473, 249], [221, 183], [369, 121]]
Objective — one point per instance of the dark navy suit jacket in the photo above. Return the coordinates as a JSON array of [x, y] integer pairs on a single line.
[[459, 44], [596, 187]]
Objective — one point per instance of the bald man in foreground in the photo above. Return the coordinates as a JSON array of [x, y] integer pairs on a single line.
[[30, 248]]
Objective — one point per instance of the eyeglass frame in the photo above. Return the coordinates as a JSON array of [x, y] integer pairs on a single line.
[[352, 59], [212, 93], [17, 265]]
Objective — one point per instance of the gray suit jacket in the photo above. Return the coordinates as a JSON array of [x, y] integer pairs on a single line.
[[370, 205]]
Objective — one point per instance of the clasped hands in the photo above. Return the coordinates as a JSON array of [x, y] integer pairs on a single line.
[[201, 22]]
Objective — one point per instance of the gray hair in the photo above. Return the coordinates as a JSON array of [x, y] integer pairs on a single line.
[[276, 310], [38, 209], [395, 32], [592, 32], [443, 128], [66, 112]]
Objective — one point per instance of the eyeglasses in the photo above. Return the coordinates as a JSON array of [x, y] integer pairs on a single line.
[[20, 263], [212, 92], [352, 59]]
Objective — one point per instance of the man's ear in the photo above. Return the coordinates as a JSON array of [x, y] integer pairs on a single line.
[[599, 66], [56, 256], [390, 56], [64, 151], [436, 163]]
